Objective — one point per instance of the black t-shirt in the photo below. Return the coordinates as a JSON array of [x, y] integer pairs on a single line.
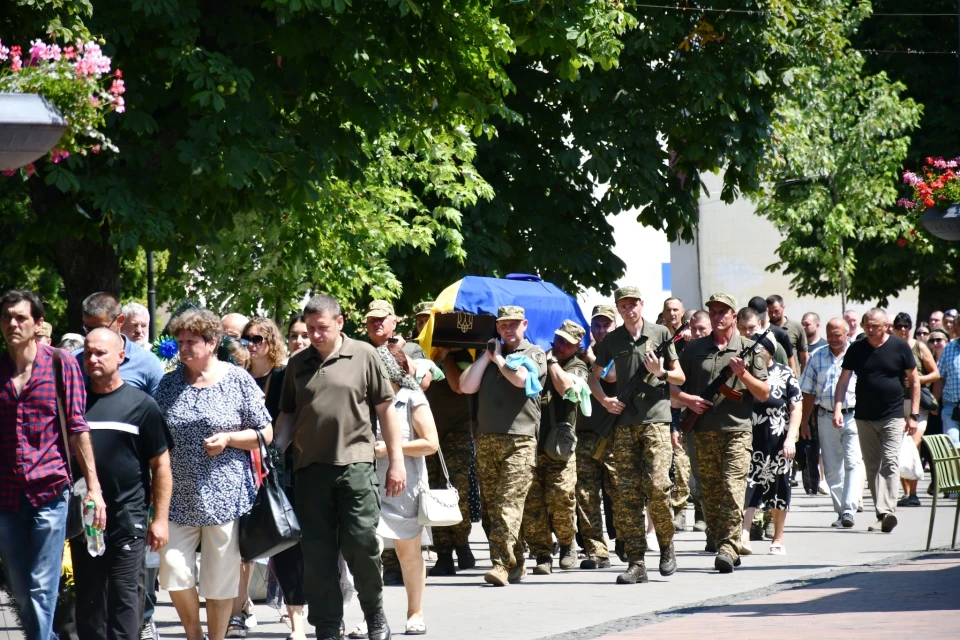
[[880, 376], [128, 431], [783, 338], [813, 346], [272, 393]]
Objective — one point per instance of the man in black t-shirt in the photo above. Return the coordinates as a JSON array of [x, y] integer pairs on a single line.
[[882, 363], [130, 442]]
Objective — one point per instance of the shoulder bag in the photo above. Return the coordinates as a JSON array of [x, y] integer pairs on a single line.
[[270, 526], [77, 490], [437, 507]]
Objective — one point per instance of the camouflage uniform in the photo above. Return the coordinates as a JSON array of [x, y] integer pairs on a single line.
[[505, 464], [681, 487], [592, 476], [457, 450], [724, 460]]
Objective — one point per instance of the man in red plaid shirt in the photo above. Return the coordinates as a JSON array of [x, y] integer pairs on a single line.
[[34, 480]]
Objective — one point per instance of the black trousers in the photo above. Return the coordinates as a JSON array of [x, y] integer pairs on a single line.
[[339, 509], [110, 589], [808, 455], [288, 565]]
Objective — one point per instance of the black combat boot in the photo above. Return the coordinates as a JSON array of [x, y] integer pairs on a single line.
[[465, 559], [377, 627], [444, 566]]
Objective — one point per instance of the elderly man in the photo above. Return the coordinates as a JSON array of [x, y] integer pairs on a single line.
[[882, 364], [34, 478], [136, 324], [723, 431], [140, 368], [642, 450], [840, 447], [509, 417], [233, 324], [131, 444], [853, 323], [332, 391]]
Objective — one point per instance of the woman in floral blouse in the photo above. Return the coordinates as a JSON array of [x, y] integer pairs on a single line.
[[776, 423]]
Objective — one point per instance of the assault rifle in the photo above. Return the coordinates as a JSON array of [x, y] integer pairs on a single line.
[[720, 386], [640, 384]]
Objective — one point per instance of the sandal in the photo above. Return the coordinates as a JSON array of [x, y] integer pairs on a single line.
[[416, 627], [359, 631], [778, 549], [285, 619], [237, 628]]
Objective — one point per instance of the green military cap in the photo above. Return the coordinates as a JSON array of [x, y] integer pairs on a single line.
[[422, 308], [724, 298], [626, 292], [571, 332], [604, 311], [379, 309], [510, 312]]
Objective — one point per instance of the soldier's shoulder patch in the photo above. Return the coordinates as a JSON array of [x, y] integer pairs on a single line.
[[538, 356]]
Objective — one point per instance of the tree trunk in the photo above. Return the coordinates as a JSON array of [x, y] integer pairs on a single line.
[[936, 297], [86, 267]]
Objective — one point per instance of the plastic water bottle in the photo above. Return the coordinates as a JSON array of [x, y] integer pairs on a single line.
[[95, 544], [153, 557]]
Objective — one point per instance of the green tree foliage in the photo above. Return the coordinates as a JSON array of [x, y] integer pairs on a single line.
[[831, 177]]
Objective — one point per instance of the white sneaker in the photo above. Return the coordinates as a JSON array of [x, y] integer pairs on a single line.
[[837, 524]]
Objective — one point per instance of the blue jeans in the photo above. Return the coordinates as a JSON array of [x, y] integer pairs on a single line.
[[950, 426], [31, 547]]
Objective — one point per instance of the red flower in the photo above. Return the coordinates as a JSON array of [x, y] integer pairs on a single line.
[[901, 242], [929, 160], [928, 202]]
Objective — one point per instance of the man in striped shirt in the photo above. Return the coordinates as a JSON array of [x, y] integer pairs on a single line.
[[842, 460]]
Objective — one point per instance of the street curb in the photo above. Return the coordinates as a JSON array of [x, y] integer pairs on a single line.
[[631, 623]]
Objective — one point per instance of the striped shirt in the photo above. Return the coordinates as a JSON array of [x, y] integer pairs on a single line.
[[949, 366], [820, 377]]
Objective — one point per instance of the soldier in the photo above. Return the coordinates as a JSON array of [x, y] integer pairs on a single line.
[[508, 417], [453, 413], [421, 314], [642, 452], [594, 475], [551, 504], [674, 316], [724, 430]]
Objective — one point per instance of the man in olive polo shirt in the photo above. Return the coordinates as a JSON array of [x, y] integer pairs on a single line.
[[330, 394], [724, 431], [551, 504], [509, 417], [795, 331], [642, 451]]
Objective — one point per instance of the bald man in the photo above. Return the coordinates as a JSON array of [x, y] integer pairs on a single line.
[[233, 324], [131, 444]]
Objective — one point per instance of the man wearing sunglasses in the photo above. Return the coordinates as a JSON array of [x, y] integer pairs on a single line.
[[140, 368]]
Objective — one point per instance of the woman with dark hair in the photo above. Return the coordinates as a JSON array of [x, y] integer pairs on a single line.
[[928, 372], [922, 331], [297, 336], [776, 425]]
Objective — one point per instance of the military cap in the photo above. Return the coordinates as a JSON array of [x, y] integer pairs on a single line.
[[626, 292], [510, 312], [571, 332], [723, 298], [45, 330], [379, 309], [422, 308], [604, 311]]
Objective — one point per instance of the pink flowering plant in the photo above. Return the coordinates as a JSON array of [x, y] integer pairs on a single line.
[[937, 184], [76, 78]]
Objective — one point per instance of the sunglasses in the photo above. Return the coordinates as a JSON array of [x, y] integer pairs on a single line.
[[923, 333], [936, 340], [253, 340], [901, 327]]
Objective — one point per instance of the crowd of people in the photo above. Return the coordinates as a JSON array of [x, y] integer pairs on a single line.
[[606, 436]]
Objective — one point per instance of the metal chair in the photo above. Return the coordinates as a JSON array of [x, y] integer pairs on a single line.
[[946, 477]]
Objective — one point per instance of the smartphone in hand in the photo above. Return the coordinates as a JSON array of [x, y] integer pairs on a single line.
[[492, 346]]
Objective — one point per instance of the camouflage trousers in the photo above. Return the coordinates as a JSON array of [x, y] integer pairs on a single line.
[[642, 454], [550, 507], [723, 459], [681, 485], [592, 477], [505, 465], [457, 448]]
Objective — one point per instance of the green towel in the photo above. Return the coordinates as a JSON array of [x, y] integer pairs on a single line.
[[580, 393]]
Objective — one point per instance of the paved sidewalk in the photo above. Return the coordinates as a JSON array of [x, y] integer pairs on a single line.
[[920, 595]]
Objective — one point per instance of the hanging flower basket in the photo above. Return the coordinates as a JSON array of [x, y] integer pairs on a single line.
[[936, 192]]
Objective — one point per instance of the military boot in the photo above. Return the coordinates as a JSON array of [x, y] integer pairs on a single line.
[[636, 572], [768, 529], [498, 576], [568, 557], [711, 546], [519, 572], [444, 566], [544, 566], [621, 550], [668, 561], [593, 562], [699, 522], [756, 530], [392, 577], [465, 559]]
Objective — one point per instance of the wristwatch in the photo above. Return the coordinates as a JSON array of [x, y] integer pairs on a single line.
[[552, 360], [915, 416]]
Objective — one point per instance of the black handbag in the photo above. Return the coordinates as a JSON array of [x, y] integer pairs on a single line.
[[77, 493], [927, 401], [270, 526]]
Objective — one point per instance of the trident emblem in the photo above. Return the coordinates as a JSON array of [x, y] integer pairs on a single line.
[[464, 321]]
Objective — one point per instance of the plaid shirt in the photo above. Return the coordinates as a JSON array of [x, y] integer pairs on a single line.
[[32, 451], [820, 377], [949, 366]]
